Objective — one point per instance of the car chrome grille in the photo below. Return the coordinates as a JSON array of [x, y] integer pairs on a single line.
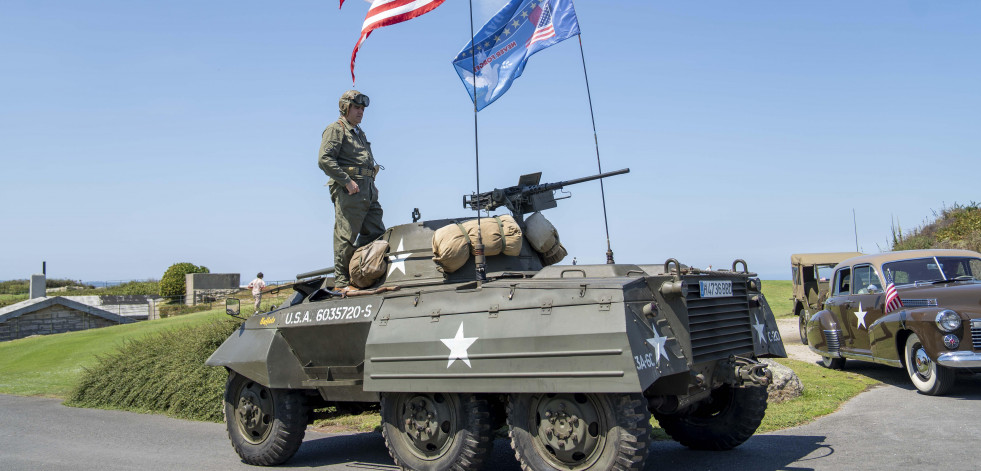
[[719, 327], [918, 302], [976, 337], [833, 340]]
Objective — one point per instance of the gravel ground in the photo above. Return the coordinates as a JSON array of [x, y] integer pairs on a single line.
[[791, 341]]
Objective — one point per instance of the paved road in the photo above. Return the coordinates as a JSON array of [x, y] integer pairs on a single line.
[[891, 427]]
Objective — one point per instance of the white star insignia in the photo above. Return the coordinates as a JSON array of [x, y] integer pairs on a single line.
[[759, 326], [658, 343], [398, 261], [458, 347], [860, 317]]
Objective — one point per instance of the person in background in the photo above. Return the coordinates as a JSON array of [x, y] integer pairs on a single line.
[[256, 285]]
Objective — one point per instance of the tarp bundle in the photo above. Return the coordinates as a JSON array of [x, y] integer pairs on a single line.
[[368, 264], [453, 244], [544, 239]]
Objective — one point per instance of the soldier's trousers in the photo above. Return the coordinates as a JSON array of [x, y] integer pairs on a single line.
[[357, 221]]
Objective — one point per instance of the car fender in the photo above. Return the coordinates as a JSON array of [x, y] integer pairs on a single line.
[[887, 336], [816, 325], [261, 355]]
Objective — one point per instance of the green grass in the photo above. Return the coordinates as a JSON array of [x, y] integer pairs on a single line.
[[824, 392], [50, 365], [779, 294], [8, 299]]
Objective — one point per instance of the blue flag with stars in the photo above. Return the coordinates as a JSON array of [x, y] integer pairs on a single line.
[[502, 47]]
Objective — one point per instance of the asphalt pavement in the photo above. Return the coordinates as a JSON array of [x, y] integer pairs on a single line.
[[890, 427]]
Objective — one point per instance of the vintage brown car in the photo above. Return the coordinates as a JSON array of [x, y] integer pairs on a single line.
[[811, 275], [933, 334]]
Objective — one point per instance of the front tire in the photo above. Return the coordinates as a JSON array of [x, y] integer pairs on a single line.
[[265, 426], [833, 363], [579, 431], [725, 422], [928, 377], [436, 431]]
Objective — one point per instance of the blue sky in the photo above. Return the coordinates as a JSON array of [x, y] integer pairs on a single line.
[[134, 135]]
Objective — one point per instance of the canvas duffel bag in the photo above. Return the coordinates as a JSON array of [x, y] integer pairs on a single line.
[[451, 247], [541, 233], [368, 264], [555, 255], [500, 234]]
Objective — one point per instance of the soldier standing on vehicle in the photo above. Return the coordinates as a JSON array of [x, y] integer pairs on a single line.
[[345, 156]]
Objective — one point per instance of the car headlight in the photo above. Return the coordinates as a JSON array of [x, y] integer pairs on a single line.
[[948, 321]]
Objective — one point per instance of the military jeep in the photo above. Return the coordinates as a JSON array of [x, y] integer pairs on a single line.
[[811, 275]]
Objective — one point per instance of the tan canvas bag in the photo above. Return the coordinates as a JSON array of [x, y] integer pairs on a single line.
[[500, 234], [451, 247], [368, 264]]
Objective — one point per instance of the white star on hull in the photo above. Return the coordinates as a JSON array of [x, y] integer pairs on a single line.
[[398, 261], [759, 326], [458, 347], [658, 342]]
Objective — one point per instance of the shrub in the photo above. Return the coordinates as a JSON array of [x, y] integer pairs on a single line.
[[172, 283], [162, 373], [957, 227]]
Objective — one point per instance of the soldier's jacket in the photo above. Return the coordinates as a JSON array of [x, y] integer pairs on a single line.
[[343, 148]]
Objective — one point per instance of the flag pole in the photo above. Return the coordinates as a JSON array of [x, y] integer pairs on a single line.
[[599, 166], [478, 250]]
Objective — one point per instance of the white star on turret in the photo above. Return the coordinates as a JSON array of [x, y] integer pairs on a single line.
[[658, 343], [759, 326], [458, 347], [860, 317], [398, 261]]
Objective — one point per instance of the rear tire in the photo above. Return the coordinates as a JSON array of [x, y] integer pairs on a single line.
[[265, 426], [732, 416], [928, 377], [436, 431], [802, 325], [552, 432]]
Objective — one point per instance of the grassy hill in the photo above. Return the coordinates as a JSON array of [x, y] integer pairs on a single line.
[[957, 227], [50, 365]]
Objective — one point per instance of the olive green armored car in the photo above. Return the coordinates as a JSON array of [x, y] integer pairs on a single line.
[[573, 359]]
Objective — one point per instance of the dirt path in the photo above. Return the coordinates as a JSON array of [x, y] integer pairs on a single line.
[[791, 341]]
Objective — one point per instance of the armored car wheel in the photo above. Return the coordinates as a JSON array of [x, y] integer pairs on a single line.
[[436, 431], [579, 431], [928, 377], [265, 426], [725, 422]]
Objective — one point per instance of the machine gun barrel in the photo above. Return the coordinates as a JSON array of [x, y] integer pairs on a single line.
[[527, 197]]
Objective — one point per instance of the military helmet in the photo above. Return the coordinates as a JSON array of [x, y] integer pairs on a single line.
[[352, 96]]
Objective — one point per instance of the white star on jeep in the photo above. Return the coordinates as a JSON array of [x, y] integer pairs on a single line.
[[458, 347], [759, 326], [398, 261], [658, 343], [860, 317]]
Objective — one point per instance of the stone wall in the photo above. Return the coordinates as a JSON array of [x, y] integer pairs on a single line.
[[207, 287], [50, 320]]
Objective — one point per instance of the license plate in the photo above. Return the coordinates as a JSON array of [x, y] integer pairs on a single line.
[[715, 289]]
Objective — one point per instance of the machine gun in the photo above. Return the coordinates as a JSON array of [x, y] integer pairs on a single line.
[[528, 195]]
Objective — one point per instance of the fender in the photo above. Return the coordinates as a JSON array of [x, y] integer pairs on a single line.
[[816, 325], [261, 355], [888, 334]]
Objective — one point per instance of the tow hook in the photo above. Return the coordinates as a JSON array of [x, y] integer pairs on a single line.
[[752, 372]]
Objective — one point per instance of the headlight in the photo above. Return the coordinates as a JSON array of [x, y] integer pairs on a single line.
[[948, 321]]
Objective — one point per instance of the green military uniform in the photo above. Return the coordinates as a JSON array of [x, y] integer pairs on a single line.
[[345, 154]]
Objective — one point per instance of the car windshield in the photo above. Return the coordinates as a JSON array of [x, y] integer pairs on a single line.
[[914, 270]]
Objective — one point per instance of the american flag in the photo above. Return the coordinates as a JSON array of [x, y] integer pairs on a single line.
[[390, 12], [544, 29], [892, 298]]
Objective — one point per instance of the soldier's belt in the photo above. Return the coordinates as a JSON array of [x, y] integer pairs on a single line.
[[360, 172]]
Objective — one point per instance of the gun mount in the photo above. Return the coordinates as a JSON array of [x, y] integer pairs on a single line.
[[528, 195]]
